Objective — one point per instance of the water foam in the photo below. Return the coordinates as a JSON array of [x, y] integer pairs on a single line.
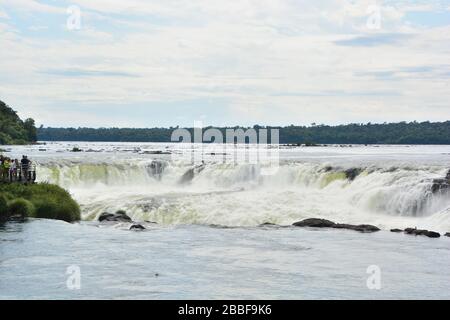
[[230, 194]]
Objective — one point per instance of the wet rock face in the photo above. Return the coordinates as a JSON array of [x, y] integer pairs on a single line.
[[323, 223], [119, 216], [351, 174], [418, 232], [156, 169], [441, 185]]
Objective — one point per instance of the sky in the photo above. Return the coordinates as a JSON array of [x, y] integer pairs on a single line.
[[161, 63]]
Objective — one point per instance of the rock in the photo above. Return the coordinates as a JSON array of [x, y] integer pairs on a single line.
[[447, 234], [137, 227], [352, 173], [418, 232], [315, 223], [366, 228], [396, 230], [322, 223], [119, 216], [268, 224]]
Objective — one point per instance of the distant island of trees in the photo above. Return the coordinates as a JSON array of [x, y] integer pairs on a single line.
[[386, 133]]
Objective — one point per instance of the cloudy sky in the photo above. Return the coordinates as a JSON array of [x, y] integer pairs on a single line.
[[145, 63]]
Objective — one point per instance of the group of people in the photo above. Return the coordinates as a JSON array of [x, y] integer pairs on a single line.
[[13, 170]]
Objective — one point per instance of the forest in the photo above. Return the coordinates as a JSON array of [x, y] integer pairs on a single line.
[[356, 133]]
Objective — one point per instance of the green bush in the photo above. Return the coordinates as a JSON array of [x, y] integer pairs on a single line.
[[49, 201], [20, 208], [3, 207]]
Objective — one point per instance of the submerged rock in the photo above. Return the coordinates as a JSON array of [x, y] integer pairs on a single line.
[[137, 227], [418, 232], [119, 216], [268, 224], [396, 230], [323, 223], [315, 223]]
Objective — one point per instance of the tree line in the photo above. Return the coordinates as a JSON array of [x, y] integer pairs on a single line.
[[356, 133]]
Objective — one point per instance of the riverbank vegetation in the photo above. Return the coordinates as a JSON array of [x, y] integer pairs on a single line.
[[41, 200], [13, 130], [386, 133]]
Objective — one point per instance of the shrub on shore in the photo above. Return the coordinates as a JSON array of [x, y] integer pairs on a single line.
[[3, 207], [20, 208], [43, 201]]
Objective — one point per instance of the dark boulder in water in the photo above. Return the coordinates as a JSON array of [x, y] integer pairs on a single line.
[[137, 227], [447, 234], [119, 216], [315, 223], [396, 230], [365, 228], [323, 223], [418, 232]]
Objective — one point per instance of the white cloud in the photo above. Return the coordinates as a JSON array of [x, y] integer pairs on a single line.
[[32, 6], [270, 61]]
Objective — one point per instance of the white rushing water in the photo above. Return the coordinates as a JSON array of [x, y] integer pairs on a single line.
[[208, 243], [390, 187]]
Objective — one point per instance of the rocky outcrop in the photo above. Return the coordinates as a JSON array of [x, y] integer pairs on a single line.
[[418, 232], [119, 216], [137, 227], [268, 224], [365, 228], [323, 223], [315, 223]]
